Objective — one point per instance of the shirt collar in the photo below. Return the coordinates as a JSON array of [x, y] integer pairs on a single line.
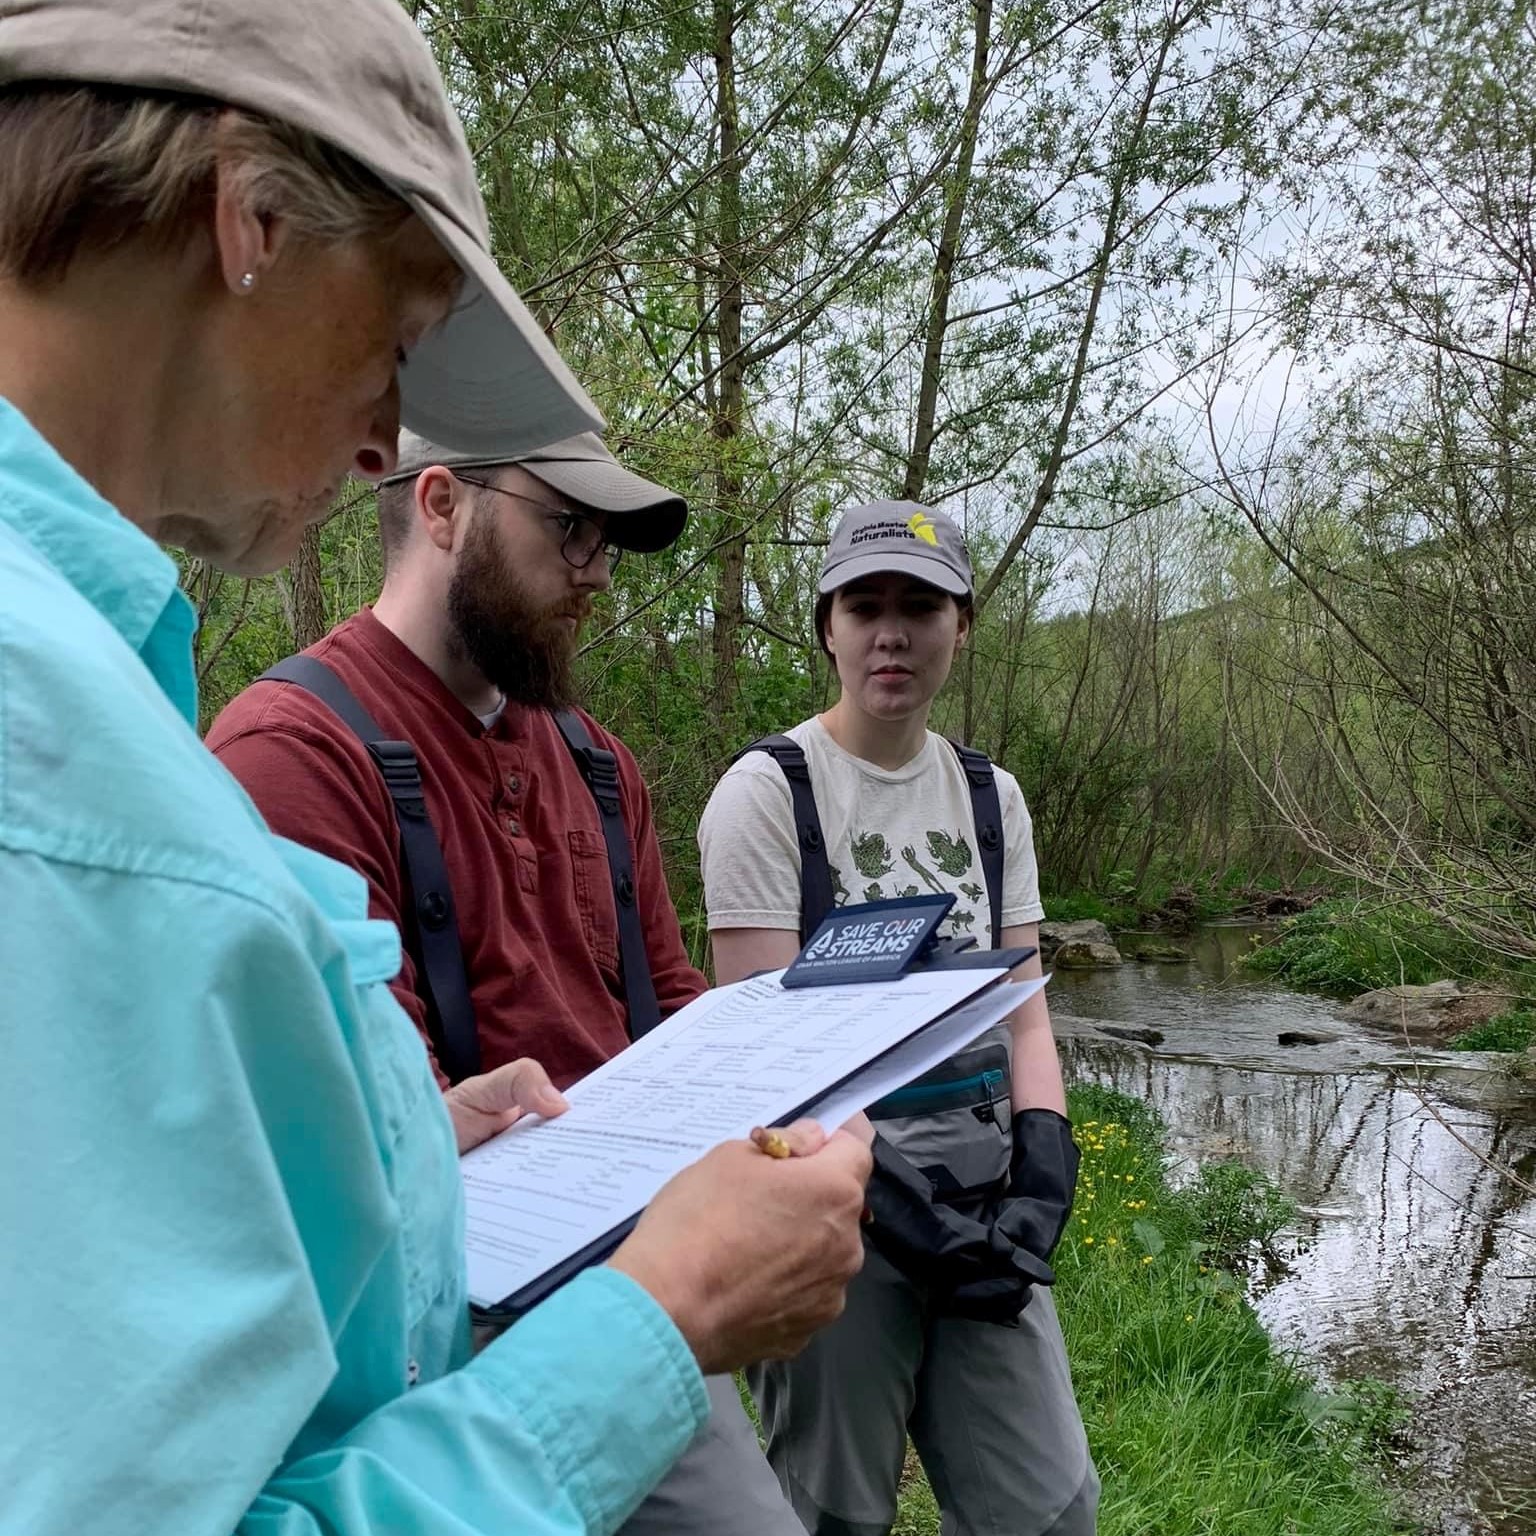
[[414, 673], [113, 565]]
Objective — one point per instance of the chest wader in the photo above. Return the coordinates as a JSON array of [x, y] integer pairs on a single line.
[[720, 1482], [937, 1340], [429, 925], [952, 1124]]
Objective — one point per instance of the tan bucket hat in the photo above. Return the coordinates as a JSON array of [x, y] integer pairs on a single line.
[[358, 74], [642, 515]]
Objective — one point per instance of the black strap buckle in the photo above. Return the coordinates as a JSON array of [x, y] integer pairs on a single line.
[[402, 774], [603, 777], [977, 765]]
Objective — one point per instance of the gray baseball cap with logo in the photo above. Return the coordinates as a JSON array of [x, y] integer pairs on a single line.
[[903, 537], [642, 515], [359, 75]]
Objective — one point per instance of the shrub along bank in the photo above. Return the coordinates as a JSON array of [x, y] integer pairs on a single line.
[[1122, 902], [1347, 945]]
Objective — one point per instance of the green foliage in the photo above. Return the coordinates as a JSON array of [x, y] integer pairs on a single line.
[[1200, 897], [1081, 905], [1092, 1104], [1512, 1030], [1404, 510], [1233, 1210], [1348, 946], [1193, 1415], [1368, 1416], [1184, 688], [1197, 1424]]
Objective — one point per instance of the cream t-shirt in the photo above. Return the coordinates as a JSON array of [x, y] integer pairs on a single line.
[[907, 831]]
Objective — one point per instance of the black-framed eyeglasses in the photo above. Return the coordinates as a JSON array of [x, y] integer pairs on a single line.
[[581, 537]]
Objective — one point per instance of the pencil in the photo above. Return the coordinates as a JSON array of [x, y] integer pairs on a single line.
[[770, 1142]]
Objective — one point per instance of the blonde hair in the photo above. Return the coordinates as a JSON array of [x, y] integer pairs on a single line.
[[88, 168]]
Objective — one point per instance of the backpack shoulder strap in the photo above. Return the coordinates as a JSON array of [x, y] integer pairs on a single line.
[[987, 812], [600, 768], [433, 926], [816, 898]]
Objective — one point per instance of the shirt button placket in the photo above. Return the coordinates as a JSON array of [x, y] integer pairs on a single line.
[[514, 785]]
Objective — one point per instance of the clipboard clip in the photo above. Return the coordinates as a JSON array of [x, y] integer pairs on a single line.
[[961, 954], [886, 940], [874, 941], [937, 951]]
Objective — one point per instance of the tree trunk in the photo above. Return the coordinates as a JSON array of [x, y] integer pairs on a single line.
[[944, 264], [303, 592], [1121, 202], [725, 426]]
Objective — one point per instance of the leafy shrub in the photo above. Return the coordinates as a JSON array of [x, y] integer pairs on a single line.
[[1080, 905], [1232, 1209], [1512, 1030], [1346, 947], [1369, 1418]]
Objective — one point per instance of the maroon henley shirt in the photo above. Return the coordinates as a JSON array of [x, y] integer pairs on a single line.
[[520, 833]]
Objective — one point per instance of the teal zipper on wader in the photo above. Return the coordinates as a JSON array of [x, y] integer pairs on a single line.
[[981, 1092]]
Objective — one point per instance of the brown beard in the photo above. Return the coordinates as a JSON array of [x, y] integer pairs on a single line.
[[523, 652]]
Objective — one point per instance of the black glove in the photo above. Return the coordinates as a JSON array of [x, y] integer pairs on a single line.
[[968, 1267], [1042, 1178]]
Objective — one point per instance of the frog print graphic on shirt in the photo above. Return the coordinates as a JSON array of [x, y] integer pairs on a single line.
[[871, 854], [888, 876]]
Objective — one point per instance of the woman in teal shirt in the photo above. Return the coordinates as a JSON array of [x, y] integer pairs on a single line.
[[233, 1294]]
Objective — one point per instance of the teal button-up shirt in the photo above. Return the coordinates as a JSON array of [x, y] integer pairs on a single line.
[[232, 1292]]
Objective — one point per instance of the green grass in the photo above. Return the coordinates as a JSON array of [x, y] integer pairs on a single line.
[[1198, 1425], [1120, 903], [1079, 905], [1344, 947], [1233, 1211], [1512, 1030]]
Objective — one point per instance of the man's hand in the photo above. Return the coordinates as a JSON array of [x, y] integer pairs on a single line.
[[481, 1106], [749, 1254]]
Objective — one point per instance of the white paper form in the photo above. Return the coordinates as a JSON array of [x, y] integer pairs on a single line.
[[736, 1057], [923, 1052]]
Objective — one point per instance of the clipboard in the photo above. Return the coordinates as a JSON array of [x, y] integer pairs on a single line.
[[930, 956], [940, 957]]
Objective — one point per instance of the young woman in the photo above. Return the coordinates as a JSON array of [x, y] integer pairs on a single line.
[[233, 1297], [989, 1406]]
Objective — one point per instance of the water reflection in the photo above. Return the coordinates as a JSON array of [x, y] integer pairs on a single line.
[[1415, 1260]]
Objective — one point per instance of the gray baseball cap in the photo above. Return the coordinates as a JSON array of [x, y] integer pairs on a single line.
[[642, 515], [897, 536], [359, 75]]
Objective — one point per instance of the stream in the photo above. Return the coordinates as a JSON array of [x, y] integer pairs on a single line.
[[1413, 1259]]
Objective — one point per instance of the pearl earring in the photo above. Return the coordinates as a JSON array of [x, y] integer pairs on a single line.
[[247, 280]]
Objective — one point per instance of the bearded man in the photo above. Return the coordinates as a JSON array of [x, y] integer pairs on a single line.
[[490, 571]]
